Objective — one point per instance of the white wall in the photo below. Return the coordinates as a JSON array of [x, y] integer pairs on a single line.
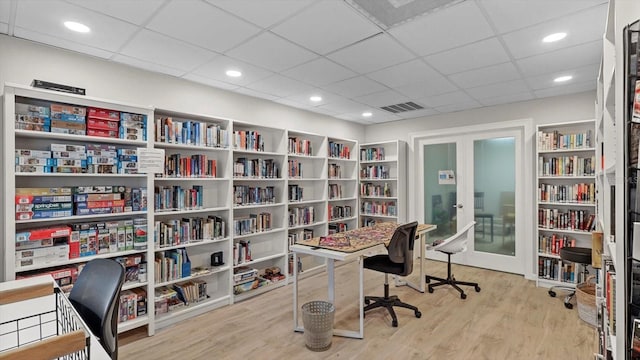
[[22, 61]]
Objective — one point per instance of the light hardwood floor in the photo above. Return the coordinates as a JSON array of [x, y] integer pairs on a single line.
[[509, 319]]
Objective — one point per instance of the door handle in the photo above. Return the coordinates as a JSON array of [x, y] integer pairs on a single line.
[[459, 206]]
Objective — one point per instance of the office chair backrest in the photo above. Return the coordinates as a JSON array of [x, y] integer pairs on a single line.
[[95, 296], [401, 246], [457, 242], [478, 200]]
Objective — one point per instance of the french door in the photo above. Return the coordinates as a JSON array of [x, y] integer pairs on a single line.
[[477, 175]]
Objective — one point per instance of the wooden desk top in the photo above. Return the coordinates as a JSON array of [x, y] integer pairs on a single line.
[[360, 238]]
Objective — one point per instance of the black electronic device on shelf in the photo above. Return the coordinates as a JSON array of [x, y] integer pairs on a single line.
[[58, 87]]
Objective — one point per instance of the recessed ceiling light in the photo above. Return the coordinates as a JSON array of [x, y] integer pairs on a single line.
[[77, 27], [233, 73], [367, 114], [563, 78], [315, 98], [554, 37]]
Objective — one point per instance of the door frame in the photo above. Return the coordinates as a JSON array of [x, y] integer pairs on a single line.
[[525, 194]]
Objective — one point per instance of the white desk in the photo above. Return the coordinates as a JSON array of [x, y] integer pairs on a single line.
[[331, 257], [10, 311]]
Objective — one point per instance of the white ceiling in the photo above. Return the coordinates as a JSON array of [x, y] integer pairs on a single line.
[[469, 54]]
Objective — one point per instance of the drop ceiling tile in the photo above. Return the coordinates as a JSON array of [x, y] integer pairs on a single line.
[[216, 69], [210, 82], [434, 86], [353, 118], [271, 52], [325, 111], [148, 66], [511, 15], [372, 54], [61, 43], [262, 13], [202, 24], [4, 28], [354, 87], [417, 113], [47, 17], [499, 89], [458, 107], [344, 106], [378, 116], [566, 89], [487, 75], [560, 60], [279, 86], [5, 10], [136, 12], [257, 94], [326, 96], [507, 99], [162, 50], [445, 29], [383, 98], [319, 72], [479, 54], [326, 26], [583, 27], [402, 74], [454, 97], [580, 75], [289, 102]]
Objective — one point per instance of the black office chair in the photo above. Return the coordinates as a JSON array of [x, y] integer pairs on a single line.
[[454, 244], [576, 255], [398, 261], [95, 296]]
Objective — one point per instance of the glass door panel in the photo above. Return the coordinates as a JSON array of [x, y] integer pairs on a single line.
[[440, 189]]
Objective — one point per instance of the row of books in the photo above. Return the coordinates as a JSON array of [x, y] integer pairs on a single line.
[[556, 269], [575, 193], [44, 203], [335, 171], [190, 132], [299, 146], [557, 141], [338, 150], [301, 216], [295, 192], [338, 227], [256, 168], [375, 172], [335, 191], [372, 154], [388, 208], [77, 159], [253, 223], [339, 212], [241, 252], [198, 166], [248, 140], [132, 304], [175, 197], [294, 236], [79, 120], [171, 265], [252, 195], [169, 298], [551, 244], [567, 166], [188, 230], [294, 169], [579, 220], [370, 189]]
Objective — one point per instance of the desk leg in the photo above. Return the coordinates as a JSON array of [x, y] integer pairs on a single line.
[[331, 281], [420, 286], [296, 326], [361, 266]]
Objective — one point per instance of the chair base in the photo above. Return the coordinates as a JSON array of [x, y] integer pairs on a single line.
[[389, 302], [567, 299], [450, 280]]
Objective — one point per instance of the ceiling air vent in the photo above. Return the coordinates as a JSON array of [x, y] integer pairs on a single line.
[[403, 107]]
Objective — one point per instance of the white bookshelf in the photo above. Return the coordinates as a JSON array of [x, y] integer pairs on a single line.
[[566, 197], [13, 139], [342, 171], [383, 182]]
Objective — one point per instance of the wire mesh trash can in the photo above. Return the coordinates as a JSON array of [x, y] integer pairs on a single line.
[[317, 319]]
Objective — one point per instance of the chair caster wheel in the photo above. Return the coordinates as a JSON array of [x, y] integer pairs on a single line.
[[367, 302], [477, 288], [568, 305], [430, 290], [394, 323], [418, 314], [427, 280], [463, 296], [552, 293]]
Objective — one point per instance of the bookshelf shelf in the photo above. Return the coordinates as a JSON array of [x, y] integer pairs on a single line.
[[78, 260], [213, 271], [188, 211], [574, 150], [76, 138], [191, 310], [259, 260], [82, 217], [162, 145], [192, 243], [194, 179], [307, 225], [343, 199], [259, 291], [133, 324], [266, 232], [82, 175], [258, 206], [350, 218], [132, 285], [573, 204]]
